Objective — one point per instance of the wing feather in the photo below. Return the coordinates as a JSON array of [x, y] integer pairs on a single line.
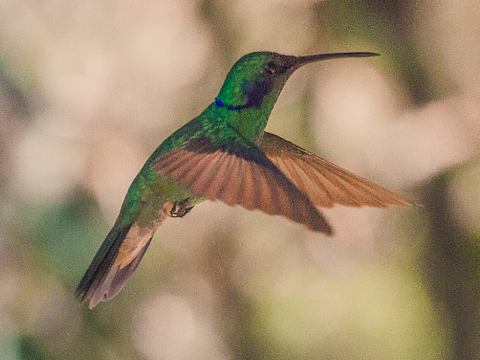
[[323, 182], [239, 175]]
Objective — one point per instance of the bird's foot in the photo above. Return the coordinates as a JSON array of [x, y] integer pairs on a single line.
[[180, 208]]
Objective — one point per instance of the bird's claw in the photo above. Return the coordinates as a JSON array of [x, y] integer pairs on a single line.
[[180, 208]]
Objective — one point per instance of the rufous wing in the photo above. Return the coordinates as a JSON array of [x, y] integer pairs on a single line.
[[323, 182], [238, 173]]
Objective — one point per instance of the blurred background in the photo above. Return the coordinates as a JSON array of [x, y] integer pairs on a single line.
[[88, 89]]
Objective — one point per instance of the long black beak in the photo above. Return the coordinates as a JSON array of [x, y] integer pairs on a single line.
[[303, 60]]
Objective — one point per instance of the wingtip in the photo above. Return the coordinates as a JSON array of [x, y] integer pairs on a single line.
[[402, 201], [325, 229], [417, 204], [330, 231], [319, 223]]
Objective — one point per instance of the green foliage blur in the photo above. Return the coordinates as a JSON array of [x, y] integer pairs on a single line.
[[89, 89]]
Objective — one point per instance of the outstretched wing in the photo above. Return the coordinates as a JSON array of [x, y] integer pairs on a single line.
[[323, 182], [238, 173]]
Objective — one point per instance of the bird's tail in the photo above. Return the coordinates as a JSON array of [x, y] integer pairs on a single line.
[[115, 261]]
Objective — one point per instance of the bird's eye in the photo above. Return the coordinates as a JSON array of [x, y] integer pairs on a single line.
[[271, 68]]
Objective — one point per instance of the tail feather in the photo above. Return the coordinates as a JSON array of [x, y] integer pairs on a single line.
[[101, 266], [116, 260], [104, 279], [115, 279]]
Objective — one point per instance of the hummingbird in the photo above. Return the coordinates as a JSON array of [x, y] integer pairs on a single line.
[[225, 154]]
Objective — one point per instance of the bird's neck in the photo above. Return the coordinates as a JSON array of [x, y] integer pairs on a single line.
[[248, 122]]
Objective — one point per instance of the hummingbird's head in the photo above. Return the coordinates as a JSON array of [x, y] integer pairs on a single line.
[[259, 77], [254, 78], [254, 83]]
